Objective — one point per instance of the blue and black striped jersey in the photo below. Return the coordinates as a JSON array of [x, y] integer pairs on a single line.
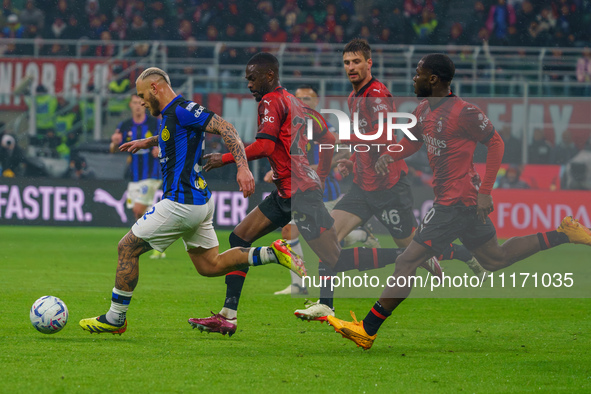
[[143, 164], [181, 143], [332, 189]]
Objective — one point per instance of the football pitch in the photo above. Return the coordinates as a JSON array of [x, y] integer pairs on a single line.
[[428, 345]]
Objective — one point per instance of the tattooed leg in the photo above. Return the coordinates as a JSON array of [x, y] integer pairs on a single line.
[[130, 248]]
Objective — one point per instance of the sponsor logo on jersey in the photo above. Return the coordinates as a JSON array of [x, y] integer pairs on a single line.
[[199, 111], [191, 105]]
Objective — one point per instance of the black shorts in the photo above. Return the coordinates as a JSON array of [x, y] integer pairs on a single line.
[[444, 224], [392, 207], [305, 208]]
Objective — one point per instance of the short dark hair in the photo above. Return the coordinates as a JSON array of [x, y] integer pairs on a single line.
[[265, 59], [440, 65], [358, 45], [312, 88]]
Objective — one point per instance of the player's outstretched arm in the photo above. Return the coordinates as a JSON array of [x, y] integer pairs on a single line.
[[245, 180], [137, 145]]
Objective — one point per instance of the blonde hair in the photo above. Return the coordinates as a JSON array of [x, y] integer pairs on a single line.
[[154, 71]]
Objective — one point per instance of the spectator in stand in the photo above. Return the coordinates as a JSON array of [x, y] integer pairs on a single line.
[[57, 30], [118, 28], [365, 33], [513, 146], [384, 37], [425, 28], [524, 17], [456, 35], [62, 11], [231, 34], [8, 9], [32, 16], [79, 169], [118, 9], [249, 34], [138, 30], [107, 47], [92, 9], [556, 70], [290, 13], [476, 20], [96, 28], [265, 13], [185, 30], [339, 35], [14, 29], [565, 150], [74, 31], [12, 157], [399, 25], [540, 149], [511, 179], [578, 170], [375, 21], [275, 34], [160, 31], [566, 27], [584, 71], [500, 17]]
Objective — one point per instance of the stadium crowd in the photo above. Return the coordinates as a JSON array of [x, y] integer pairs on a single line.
[[500, 22]]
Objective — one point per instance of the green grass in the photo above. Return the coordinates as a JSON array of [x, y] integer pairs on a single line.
[[428, 345]]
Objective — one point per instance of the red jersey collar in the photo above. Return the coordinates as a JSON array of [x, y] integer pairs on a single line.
[[364, 88]]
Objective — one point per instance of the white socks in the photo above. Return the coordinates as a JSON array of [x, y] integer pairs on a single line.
[[119, 305]]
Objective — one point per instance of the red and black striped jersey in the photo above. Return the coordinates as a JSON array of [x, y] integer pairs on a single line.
[[370, 102], [451, 130], [283, 119]]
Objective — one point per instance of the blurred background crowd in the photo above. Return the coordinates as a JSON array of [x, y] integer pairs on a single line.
[[558, 25], [500, 22]]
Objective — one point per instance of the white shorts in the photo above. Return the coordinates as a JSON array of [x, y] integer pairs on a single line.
[[142, 192], [168, 221]]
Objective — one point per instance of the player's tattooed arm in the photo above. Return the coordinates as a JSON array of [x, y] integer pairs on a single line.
[[137, 145], [219, 126], [245, 180]]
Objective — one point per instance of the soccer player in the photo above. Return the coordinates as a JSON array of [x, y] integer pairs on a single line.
[[143, 167], [282, 138], [332, 192], [387, 196], [186, 209], [451, 128]]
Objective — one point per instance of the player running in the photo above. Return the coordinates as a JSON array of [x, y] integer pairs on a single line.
[[332, 193], [386, 196], [186, 209], [282, 138], [451, 128], [143, 169]]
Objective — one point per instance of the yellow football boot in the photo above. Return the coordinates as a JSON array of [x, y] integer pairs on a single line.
[[353, 331], [575, 231], [288, 258], [100, 324]]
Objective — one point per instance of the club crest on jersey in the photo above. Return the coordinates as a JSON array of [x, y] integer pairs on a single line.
[[439, 126], [165, 135]]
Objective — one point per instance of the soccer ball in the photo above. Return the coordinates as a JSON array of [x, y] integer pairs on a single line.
[[49, 314]]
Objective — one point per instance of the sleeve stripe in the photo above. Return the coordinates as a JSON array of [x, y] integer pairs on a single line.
[[488, 137], [266, 136]]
